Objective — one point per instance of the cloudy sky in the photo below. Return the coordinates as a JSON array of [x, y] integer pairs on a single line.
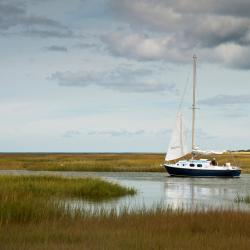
[[108, 75]]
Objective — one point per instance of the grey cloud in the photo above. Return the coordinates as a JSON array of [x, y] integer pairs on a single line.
[[49, 33], [213, 30], [11, 9], [238, 8], [89, 46], [178, 28], [122, 79], [57, 48], [226, 100], [41, 21], [14, 19], [11, 16], [162, 14], [167, 14]]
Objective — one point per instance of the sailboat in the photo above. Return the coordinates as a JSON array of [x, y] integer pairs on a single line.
[[177, 149]]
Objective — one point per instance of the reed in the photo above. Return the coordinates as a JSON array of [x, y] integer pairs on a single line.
[[35, 198], [33, 216], [104, 162], [157, 229], [242, 199]]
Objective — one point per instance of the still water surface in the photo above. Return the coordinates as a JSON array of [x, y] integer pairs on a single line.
[[159, 189]]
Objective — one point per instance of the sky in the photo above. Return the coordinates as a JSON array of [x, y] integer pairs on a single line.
[[108, 75]]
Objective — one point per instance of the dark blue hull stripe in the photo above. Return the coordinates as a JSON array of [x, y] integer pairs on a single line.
[[202, 172]]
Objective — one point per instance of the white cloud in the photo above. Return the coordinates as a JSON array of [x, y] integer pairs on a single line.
[[141, 47], [234, 55]]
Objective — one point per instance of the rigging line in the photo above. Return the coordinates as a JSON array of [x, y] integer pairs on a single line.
[[184, 93], [236, 163]]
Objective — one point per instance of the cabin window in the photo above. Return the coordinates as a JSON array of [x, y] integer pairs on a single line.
[[177, 164], [199, 165], [183, 165], [191, 165]]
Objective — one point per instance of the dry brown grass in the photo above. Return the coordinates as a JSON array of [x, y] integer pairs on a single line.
[[105, 162], [149, 230], [83, 162]]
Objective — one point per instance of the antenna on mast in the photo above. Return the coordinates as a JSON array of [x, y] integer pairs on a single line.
[[194, 104]]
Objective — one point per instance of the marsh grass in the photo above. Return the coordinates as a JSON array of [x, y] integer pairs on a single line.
[[83, 162], [34, 198], [155, 229], [104, 162], [33, 217], [242, 199]]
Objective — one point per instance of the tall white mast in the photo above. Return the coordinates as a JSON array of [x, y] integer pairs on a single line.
[[194, 102]]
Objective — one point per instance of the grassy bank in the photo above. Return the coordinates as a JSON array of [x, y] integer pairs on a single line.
[[33, 216], [103, 162], [31, 198], [141, 230]]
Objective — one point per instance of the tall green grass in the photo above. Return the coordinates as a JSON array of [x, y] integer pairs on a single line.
[[34, 198]]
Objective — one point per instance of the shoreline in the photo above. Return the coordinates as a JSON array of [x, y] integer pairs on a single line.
[[103, 162]]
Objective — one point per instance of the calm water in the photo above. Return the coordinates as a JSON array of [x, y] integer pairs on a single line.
[[157, 188]]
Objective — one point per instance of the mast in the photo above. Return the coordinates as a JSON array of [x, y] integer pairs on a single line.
[[194, 104]]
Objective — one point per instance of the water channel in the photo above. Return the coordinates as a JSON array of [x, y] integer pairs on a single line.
[[155, 189]]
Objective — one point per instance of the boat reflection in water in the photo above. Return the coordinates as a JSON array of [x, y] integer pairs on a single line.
[[156, 189], [191, 194]]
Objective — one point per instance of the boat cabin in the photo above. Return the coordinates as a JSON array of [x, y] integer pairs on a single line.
[[194, 163]]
